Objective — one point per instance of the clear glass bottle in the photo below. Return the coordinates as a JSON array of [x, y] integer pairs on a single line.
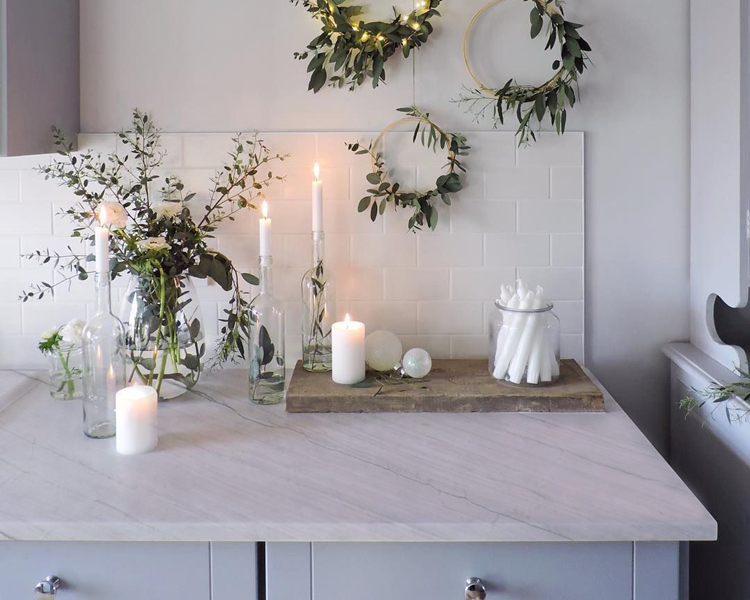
[[267, 359], [524, 345], [318, 310], [103, 364], [65, 371]]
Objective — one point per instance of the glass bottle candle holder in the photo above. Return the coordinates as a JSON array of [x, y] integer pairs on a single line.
[[318, 310], [524, 346], [267, 358], [103, 364], [66, 371]]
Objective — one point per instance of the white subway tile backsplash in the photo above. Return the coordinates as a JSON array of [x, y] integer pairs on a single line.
[[105, 143], [398, 317], [9, 252], [560, 283], [25, 219], [516, 249], [480, 283], [379, 250], [450, 317], [450, 250], [417, 284], [439, 346], [571, 346], [563, 216], [553, 150], [9, 186], [483, 216], [520, 215], [517, 183], [566, 183], [469, 346], [566, 249]]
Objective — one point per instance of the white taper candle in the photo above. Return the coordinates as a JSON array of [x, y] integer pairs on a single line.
[[317, 200]]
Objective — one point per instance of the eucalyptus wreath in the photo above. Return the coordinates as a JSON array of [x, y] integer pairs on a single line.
[[384, 191], [535, 102], [352, 49]]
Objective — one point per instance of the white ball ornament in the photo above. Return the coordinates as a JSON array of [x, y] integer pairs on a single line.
[[417, 363], [383, 350]]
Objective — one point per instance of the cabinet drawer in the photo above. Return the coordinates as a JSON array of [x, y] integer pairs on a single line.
[[106, 571], [436, 571]]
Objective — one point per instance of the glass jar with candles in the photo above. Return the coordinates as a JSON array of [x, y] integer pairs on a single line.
[[318, 294], [103, 350], [524, 346]]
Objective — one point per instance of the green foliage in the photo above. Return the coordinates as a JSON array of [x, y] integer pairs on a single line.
[[349, 50], [532, 104], [420, 203], [51, 343], [720, 395], [160, 240]]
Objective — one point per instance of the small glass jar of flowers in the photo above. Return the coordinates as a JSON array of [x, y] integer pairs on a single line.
[[62, 347], [159, 236]]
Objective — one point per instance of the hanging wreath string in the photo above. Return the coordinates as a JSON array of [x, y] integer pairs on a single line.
[[349, 50], [385, 191], [533, 103]]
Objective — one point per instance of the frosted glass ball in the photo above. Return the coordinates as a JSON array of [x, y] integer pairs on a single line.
[[417, 363], [383, 350]]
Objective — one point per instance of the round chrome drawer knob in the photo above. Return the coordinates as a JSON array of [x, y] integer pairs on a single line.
[[475, 589], [48, 588]]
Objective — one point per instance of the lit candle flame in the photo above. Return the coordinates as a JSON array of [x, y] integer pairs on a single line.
[[347, 320], [264, 209], [316, 172], [102, 214]]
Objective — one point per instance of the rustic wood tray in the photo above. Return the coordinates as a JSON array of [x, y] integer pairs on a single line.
[[451, 386]]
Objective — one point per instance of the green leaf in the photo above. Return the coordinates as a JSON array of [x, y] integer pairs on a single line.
[[536, 22], [250, 278], [264, 340], [373, 178], [363, 204], [374, 211]]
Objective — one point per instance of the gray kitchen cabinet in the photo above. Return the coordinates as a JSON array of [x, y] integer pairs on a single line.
[[439, 571], [106, 570], [39, 73]]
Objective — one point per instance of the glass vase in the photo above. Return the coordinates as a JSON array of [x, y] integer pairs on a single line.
[[524, 345], [318, 310], [163, 333], [103, 364], [267, 358], [66, 372]]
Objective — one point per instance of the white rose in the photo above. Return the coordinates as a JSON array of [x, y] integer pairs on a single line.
[[154, 243], [167, 210], [72, 331], [112, 214]]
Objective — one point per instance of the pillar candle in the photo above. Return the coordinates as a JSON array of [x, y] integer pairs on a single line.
[[317, 200], [348, 348], [135, 419], [265, 231]]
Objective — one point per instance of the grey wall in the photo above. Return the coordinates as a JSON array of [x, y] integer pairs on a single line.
[[227, 65]]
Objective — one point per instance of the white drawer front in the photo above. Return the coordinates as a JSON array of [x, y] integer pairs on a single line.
[[511, 571], [106, 571]]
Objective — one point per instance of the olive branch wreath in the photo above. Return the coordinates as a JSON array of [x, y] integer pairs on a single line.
[[527, 101], [352, 49], [385, 191]]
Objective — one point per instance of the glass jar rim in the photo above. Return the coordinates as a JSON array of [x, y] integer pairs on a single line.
[[546, 308]]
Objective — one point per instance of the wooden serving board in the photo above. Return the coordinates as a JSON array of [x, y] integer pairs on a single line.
[[451, 386]]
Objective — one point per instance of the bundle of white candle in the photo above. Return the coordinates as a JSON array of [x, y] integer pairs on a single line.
[[525, 345]]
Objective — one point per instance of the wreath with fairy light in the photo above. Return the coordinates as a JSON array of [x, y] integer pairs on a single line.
[[534, 102], [349, 50], [384, 191]]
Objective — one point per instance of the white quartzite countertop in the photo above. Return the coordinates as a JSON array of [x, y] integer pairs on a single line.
[[228, 470]]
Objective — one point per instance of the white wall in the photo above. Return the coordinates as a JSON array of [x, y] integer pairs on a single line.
[[226, 65]]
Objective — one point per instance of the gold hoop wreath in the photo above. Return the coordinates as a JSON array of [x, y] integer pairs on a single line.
[[533, 102], [353, 49], [384, 191]]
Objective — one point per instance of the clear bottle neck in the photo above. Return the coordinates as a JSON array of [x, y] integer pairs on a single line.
[[103, 293], [318, 247], [266, 275]]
